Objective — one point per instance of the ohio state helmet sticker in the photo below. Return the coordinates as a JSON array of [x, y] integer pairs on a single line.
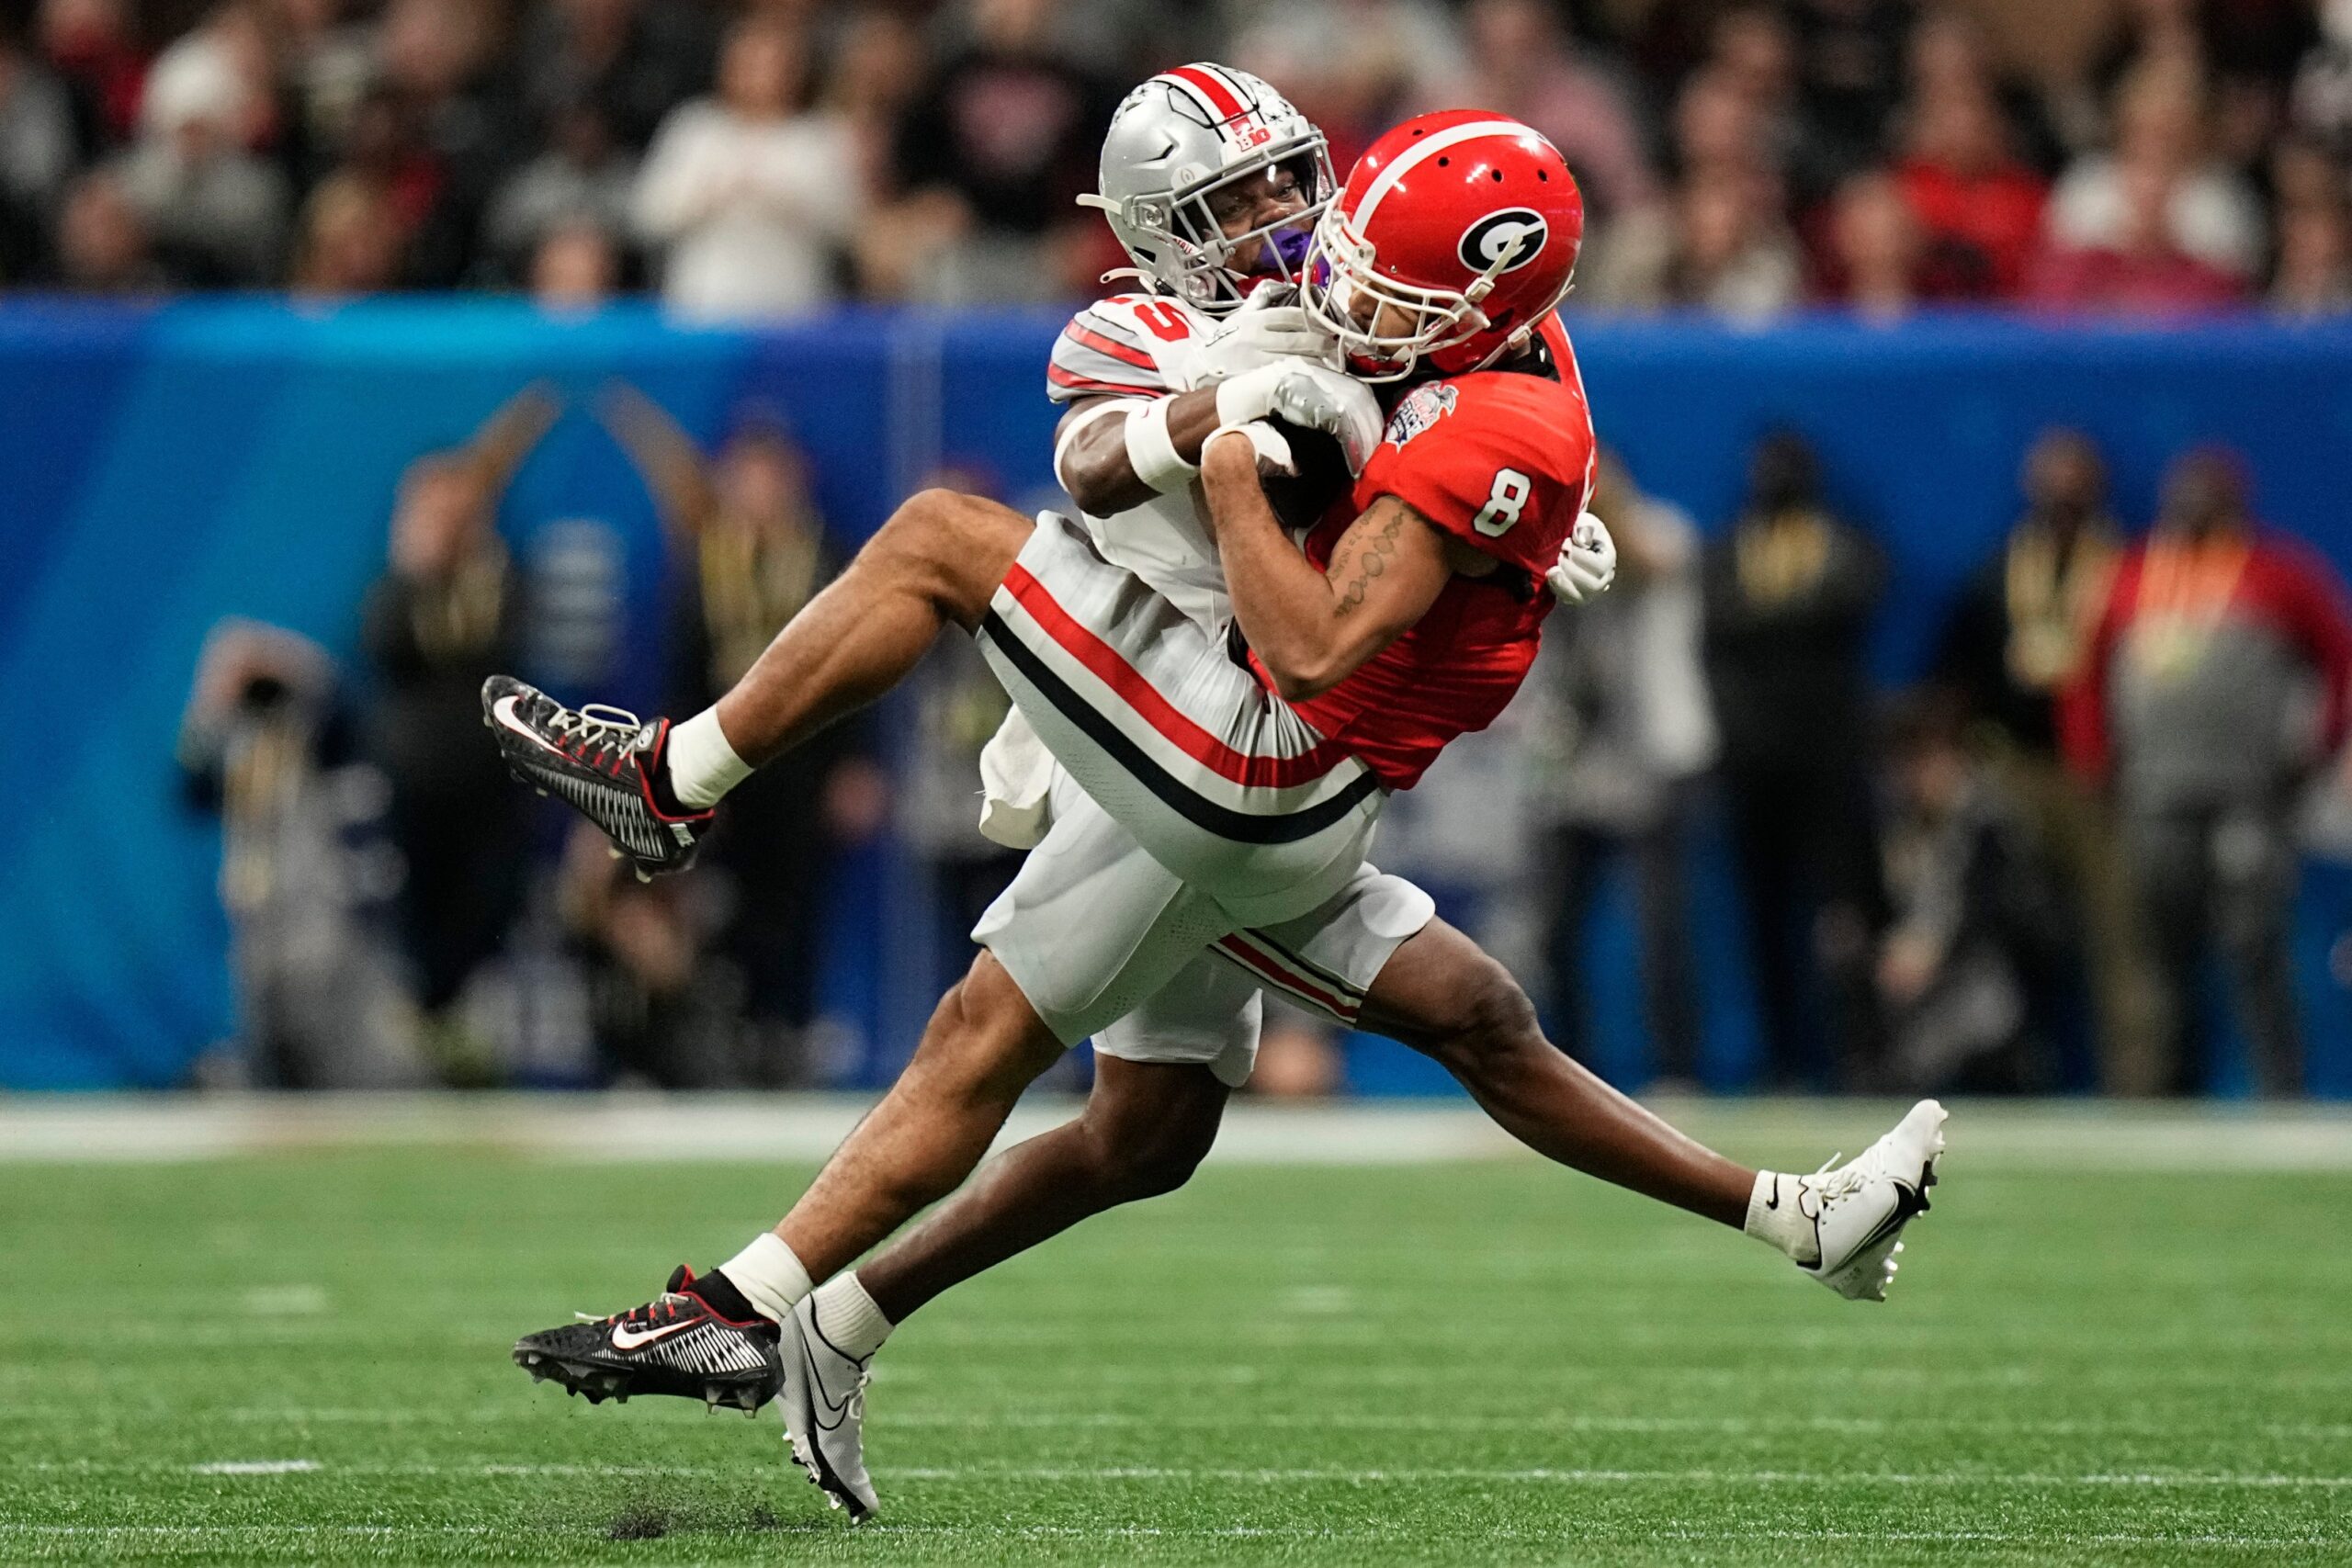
[[1422, 408], [1514, 236]]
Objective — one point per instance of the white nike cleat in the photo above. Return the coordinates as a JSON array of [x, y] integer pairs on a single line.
[[824, 1413], [1859, 1209]]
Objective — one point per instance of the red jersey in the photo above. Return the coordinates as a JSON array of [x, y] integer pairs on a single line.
[[1502, 459]]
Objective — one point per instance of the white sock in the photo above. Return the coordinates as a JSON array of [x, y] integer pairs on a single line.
[[848, 1318], [1774, 1218], [703, 766], [770, 1276]]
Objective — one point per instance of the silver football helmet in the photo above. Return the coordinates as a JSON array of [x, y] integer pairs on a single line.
[[1181, 148]]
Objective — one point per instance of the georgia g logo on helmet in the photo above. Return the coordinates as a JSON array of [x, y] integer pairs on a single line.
[[1513, 237]]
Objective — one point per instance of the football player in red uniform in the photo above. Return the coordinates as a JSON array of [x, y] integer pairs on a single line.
[[1224, 805]]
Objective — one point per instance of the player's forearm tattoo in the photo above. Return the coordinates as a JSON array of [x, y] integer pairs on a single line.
[[1370, 560]]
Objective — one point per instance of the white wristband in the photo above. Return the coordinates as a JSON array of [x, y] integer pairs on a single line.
[[1152, 450]]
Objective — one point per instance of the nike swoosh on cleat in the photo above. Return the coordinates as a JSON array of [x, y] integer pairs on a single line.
[[838, 1411], [627, 1338], [1906, 1208], [504, 711]]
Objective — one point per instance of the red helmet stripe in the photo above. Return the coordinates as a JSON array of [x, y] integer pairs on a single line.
[[1426, 147], [1221, 98], [1240, 90]]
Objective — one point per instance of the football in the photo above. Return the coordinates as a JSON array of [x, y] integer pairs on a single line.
[[1300, 499]]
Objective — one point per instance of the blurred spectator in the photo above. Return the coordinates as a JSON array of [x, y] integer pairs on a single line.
[[1350, 66], [1874, 247], [2161, 160], [2314, 276], [2302, 173], [102, 242], [1521, 62], [217, 213], [2141, 270], [1974, 923], [750, 194], [576, 267], [1720, 243], [1724, 129], [997, 148], [1752, 55], [1788, 593], [1850, 65], [584, 176], [37, 154], [654, 1008], [877, 67], [756, 552], [436, 131], [2322, 101], [444, 618], [2215, 688], [2017, 637], [326, 62], [1625, 734], [265, 743], [94, 45], [1980, 208], [1720, 246], [1953, 56], [350, 242], [635, 59]]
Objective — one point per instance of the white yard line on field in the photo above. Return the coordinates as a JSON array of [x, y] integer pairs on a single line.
[[1583, 1533], [1281, 1475], [1349, 1421], [2052, 1135], [255, 1467]]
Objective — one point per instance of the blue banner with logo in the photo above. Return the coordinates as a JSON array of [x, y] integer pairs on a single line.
[[167, 466]]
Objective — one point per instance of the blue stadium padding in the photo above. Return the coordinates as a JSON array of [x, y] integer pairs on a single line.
[[168, 466]]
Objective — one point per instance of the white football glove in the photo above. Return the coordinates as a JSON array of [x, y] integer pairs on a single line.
[[1588, 563], [1311, 395], [1274, 451], [1269, 325]]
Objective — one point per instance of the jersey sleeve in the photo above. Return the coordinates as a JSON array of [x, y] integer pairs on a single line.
[[1127, 346], [1503, 462]]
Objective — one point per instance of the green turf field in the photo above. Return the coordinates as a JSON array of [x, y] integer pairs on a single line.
[[302, 1358]]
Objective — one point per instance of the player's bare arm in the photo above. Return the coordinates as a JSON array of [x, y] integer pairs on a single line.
[[1313, 629], [1092, 457]]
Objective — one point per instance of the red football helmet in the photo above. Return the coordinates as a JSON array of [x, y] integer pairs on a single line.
[[1456, 233]]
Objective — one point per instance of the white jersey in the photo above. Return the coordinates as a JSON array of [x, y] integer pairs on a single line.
[[1143, 345]]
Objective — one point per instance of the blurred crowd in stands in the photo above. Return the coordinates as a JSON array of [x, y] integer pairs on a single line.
[[2093, 800], [755, 158]]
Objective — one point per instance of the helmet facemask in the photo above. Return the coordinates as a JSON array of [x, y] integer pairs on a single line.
[[1340, 274], [1179, 242]]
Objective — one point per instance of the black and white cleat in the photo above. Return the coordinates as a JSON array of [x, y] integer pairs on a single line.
[[605, 762], [676, 1344]]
